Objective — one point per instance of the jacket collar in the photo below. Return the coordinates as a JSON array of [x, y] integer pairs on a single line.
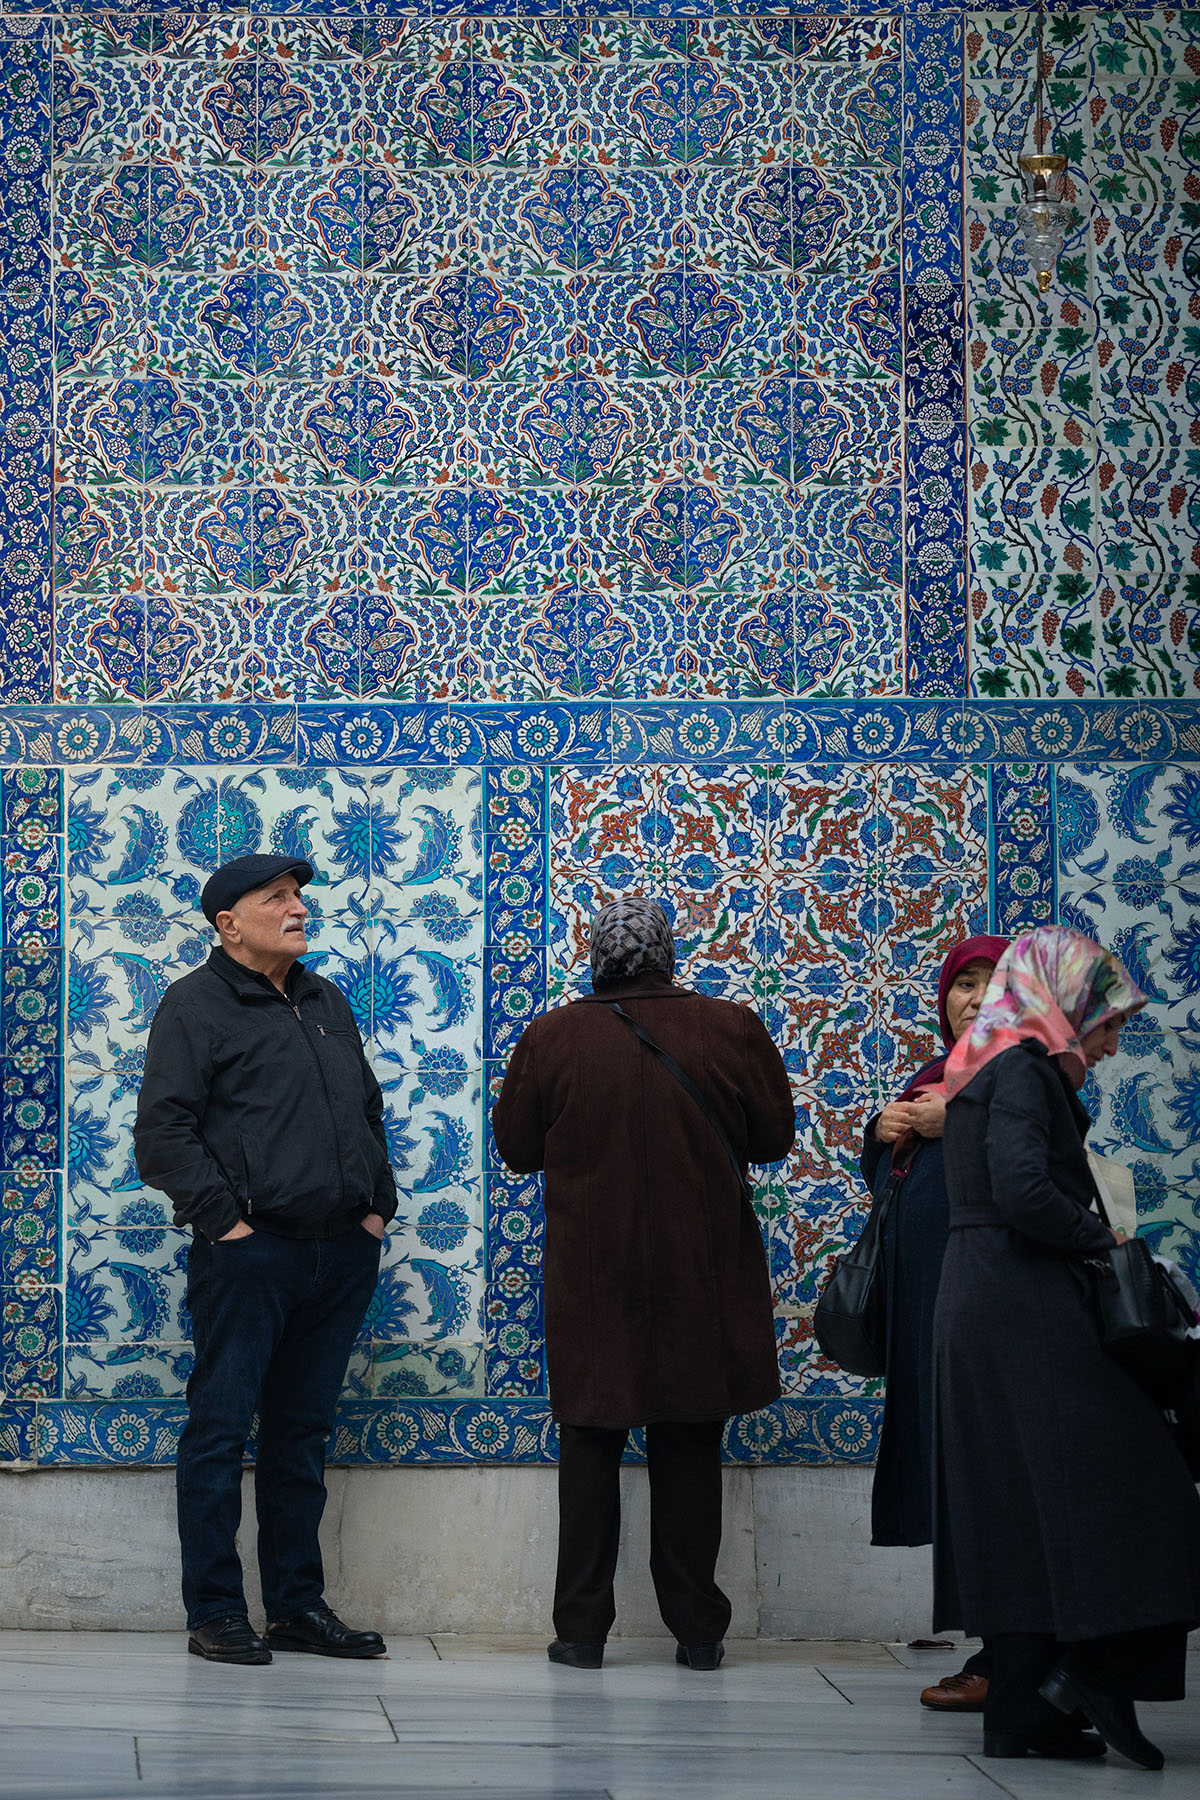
[[248, 984], [1083, 1118]]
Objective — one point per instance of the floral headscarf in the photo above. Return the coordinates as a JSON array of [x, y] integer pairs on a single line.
[[629, 936], [1055, 985]]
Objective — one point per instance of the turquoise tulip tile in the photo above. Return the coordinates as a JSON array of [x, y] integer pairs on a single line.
[[421, 1371], [128, 1371], [544, 103], [298, 221], [195, 217], [102, 322], [405, 101], [140, 1270], [415, 222], [96, 121]]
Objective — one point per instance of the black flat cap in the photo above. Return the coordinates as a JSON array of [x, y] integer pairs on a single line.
[[243, 875]]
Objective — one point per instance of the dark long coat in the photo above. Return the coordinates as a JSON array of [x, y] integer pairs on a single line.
[[913, 1245], [658, 1301], [1062, 1504]]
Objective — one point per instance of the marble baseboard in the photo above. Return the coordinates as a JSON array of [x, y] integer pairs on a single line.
[[427, 1551]]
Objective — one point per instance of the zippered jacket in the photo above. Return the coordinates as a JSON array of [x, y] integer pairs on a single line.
[[261, 1106]]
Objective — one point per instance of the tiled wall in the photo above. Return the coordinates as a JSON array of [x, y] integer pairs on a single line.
[[1085, 446], [513, 454]]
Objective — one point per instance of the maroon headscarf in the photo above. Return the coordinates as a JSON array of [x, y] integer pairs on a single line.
[[984, 949]]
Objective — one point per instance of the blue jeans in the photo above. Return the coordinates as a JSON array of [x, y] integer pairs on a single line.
[[273, 1320]]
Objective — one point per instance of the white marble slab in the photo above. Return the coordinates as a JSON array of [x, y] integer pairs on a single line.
[[112, 1717]]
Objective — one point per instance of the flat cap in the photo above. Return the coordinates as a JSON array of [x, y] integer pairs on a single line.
[[243, 875]]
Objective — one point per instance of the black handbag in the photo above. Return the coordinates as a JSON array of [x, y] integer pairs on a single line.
[[1146, 1325], [850, 1321], [1144, 1318]]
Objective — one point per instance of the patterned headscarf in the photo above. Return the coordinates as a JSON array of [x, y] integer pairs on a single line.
[[1054, 985], [628, 936], [975, 949]]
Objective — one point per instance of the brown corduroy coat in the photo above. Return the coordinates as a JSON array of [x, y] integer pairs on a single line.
[[658, 1300]]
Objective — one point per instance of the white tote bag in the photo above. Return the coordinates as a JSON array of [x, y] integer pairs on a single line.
[[1115, 1183]]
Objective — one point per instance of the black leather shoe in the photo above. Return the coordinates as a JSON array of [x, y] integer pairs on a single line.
[[320, 1632], [1115, 1720], [1067, 1746], [228, 1640], [576, 1656], [700, 1656]]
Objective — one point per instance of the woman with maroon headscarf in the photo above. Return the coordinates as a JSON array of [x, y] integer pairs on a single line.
[[906, 1136]]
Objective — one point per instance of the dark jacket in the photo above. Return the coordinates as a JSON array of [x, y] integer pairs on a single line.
[[658, 1301], [912, 1246], [1062, 1504], [261, 1107]]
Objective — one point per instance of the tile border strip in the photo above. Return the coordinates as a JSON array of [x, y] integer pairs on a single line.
[[934, 328], [26, 369], [144, 1434], [379, 735]]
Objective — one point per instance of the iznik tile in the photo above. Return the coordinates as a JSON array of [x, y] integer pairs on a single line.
[[826, 898], [1129, 875]]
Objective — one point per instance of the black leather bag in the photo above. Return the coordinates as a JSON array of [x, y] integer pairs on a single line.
[[850, 1321], [1145, 1324], [1144, 1319]]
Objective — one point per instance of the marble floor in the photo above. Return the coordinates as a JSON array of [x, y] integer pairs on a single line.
[[132, 1717]]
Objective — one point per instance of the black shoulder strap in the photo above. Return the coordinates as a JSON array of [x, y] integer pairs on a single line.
[[689, 1086]]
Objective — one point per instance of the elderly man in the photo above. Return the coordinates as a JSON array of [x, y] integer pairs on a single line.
[[643, 1103], [260, 1118]]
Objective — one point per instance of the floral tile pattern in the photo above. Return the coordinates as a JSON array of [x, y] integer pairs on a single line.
[[396, 901], [1129, 874], [1084, 570], [557, 344], [823, 897], [451, 904]]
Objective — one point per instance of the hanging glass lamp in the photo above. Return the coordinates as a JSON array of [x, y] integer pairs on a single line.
[[1044, 218]]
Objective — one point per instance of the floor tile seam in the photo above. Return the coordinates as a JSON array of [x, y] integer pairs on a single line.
[[391, 1723], [634, 1746], [973, 1761], [833, 1684]]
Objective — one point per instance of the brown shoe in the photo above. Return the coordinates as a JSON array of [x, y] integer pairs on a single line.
[[957, 1693]]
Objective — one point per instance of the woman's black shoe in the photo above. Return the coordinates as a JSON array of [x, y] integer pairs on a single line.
[[1068, 1746], [1115, 1720], [576, 1656], [700, 1656]]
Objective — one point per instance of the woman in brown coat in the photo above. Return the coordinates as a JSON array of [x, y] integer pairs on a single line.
[[658, 1302]]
